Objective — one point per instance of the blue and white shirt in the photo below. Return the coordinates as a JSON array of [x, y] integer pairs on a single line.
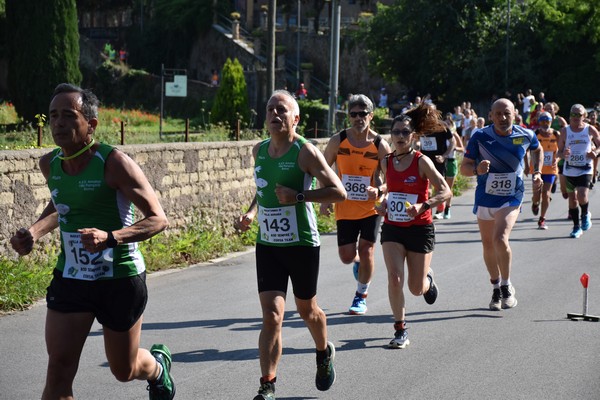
[[503, 185]]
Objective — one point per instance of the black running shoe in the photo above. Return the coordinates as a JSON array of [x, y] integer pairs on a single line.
[[400, 340], [496, 303], [431, 295]]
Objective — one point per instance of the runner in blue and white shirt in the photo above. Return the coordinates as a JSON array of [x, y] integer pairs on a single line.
[[495, 155]]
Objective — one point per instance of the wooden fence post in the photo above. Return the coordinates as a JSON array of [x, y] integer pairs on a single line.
[[122, 133], [187, 130]]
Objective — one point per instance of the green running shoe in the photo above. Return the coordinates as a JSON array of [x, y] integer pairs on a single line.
[[266, 391], [325, 371], [164, 387]]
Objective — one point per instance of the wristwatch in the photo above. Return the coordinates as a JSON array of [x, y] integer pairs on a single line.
[[300, 197], [111, 242], [426, 206]]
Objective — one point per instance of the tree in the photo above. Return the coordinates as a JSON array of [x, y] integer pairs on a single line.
[[432, 50], [171, 28], [463, 49], [43, 49], [231, 100]]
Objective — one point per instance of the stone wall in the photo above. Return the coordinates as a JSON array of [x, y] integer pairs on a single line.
[[206, 182]]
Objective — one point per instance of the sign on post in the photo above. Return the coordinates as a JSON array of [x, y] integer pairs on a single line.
[[177, 88]]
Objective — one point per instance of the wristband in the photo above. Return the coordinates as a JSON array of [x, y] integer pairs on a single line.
[[111, 242]]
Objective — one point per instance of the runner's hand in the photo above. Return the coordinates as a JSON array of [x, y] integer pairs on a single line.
[[22, 242]]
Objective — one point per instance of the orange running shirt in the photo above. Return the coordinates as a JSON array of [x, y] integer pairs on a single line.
[[550, 146], [355, 167]]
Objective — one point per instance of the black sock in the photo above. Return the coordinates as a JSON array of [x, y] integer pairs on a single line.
[[584, 208], [322, 355], [574, 212]]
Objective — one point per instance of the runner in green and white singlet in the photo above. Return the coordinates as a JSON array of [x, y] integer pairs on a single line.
[[100, 274], [85, 200], [283, 225], [287, 246]]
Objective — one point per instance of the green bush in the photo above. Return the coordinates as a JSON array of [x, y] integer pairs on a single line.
[[381, 121], [231, 101], [311, 112]]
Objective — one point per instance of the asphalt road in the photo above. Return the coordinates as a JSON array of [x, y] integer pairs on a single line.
[[210, 318]]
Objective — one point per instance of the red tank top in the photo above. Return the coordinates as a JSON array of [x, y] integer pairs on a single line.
[[405, 183]]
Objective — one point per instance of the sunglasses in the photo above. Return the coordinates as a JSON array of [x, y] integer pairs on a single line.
[[403, 132], [576, 115], [361, 114]]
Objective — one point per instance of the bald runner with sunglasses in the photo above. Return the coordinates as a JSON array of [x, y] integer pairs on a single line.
[[357, 152]]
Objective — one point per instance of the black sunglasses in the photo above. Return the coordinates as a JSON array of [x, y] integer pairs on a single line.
[[361, 114], [403, 132]]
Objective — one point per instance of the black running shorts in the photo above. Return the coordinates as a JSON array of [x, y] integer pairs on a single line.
[[116, 303], [349, 229], [415, 238], [275, 265]]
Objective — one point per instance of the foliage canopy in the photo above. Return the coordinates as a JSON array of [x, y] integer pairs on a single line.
[[43, 46], [474, 49]]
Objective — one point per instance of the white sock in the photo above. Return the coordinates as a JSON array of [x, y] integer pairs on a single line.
[[362, 288], [505, 282], [160, 373]]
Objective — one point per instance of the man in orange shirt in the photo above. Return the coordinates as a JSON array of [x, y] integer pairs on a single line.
[[357, 152]]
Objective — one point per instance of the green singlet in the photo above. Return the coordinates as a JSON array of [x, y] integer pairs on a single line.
[[86, 201], [283, 225]]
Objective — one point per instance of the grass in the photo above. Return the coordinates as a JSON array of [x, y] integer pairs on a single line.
[[23, 281], [140, 127], [461, 183]]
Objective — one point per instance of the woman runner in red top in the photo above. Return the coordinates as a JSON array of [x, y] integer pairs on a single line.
[[407, 233]]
